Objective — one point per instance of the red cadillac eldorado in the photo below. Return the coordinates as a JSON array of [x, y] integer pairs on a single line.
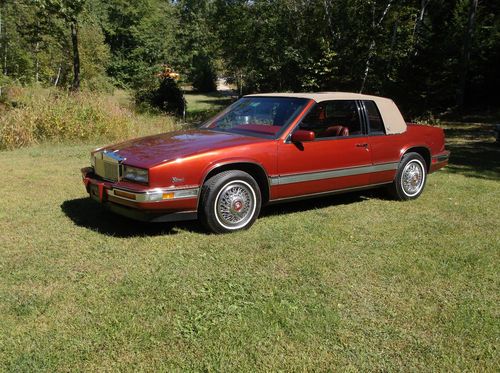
[[264, 149]]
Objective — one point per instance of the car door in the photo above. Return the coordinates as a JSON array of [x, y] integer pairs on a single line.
[[384, 149], [338, 158]]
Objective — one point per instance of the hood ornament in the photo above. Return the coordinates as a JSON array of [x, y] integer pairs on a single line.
[[112, 156]]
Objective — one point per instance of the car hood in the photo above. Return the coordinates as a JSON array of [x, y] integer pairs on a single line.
[[149, 151]]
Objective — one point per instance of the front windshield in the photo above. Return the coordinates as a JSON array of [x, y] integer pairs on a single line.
[[259, 116]]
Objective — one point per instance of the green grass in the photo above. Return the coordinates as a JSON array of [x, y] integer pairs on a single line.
[[353, 282], [202, 106]]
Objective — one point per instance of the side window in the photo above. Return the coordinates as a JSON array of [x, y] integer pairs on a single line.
[[339, 118], [375, 120]]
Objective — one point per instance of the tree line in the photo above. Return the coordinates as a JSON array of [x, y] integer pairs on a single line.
[[428, 54]]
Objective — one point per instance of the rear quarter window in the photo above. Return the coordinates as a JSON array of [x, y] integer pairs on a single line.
[[375, 121]]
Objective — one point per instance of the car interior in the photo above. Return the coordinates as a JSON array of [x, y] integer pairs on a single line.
[[333, 119]]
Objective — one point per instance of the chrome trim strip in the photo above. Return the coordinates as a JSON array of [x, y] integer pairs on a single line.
[[327, 193], [155, 195], [330, 174], [171, 189]]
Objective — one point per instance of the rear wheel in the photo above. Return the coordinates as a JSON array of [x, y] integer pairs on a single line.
[[230, 201], [410, 177]]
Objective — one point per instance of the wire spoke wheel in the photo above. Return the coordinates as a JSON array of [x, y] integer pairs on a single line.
[[229, 201], [412, 178], [235, 204]]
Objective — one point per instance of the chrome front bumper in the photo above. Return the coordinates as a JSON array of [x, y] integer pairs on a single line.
[[153, 195], [152, 205]]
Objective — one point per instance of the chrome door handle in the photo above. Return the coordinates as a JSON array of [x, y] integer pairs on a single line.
[[364, 145]]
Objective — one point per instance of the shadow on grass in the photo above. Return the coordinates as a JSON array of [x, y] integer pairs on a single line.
[[481, 160], [217, 101], [474, 151], [86, 213], [321, 202], [216, 95]]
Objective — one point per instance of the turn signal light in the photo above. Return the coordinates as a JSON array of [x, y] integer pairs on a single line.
[[124, 194], [168, 195]]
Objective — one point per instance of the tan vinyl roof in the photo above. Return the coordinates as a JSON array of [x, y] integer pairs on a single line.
[[393, 120]]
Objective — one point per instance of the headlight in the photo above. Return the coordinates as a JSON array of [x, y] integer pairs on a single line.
[[139, 175]]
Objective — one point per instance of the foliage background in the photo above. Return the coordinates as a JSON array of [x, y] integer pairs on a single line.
[[415, 51]]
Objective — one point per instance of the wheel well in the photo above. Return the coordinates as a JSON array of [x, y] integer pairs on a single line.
[[250, 168], [424, 152]]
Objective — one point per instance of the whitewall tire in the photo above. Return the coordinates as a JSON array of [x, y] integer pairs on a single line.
[[230, 201]]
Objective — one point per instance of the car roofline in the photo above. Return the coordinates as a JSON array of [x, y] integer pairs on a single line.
[[393, 120]]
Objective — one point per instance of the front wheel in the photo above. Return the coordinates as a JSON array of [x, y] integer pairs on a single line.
[[229, 201], [410, 177]]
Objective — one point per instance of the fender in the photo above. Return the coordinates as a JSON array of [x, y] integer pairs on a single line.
[[214, 165], [416, 145], [428, 161], [228, 162]]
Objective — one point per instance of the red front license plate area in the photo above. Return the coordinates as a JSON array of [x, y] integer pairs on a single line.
[[97, 191]]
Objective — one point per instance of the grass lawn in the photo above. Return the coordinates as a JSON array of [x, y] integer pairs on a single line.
[[353, 282], [201, 106]]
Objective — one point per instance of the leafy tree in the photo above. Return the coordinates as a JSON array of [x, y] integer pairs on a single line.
[[431, 55], [197, 48], [69, 11], [140, 34]]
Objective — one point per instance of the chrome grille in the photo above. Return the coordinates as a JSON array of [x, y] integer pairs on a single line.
[[107, 166], [111, 171]]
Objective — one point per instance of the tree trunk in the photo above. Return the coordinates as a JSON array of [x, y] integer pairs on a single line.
[[37, 62], [239, 83], [372, 46], [76, 56], [56, 82], [1, 42], [367, 66], [3, 38], [418, 23], [329, 18], [420, 18], [393, 43], [466, 53]]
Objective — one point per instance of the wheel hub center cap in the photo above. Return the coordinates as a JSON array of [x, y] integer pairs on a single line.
[[237, 205]]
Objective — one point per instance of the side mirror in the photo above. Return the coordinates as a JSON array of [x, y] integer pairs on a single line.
[[302, 136]]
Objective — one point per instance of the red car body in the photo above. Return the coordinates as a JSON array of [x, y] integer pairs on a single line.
[[179, 164]]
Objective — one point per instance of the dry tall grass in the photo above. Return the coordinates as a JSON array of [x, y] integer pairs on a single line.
[[33, 115]]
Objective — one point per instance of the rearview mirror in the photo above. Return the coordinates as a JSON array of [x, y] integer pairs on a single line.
[[302, 136]]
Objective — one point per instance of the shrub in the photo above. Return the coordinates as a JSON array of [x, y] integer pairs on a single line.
[[99, 83], [166, 96], [5, 82], [34, 115], [169, 97]]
